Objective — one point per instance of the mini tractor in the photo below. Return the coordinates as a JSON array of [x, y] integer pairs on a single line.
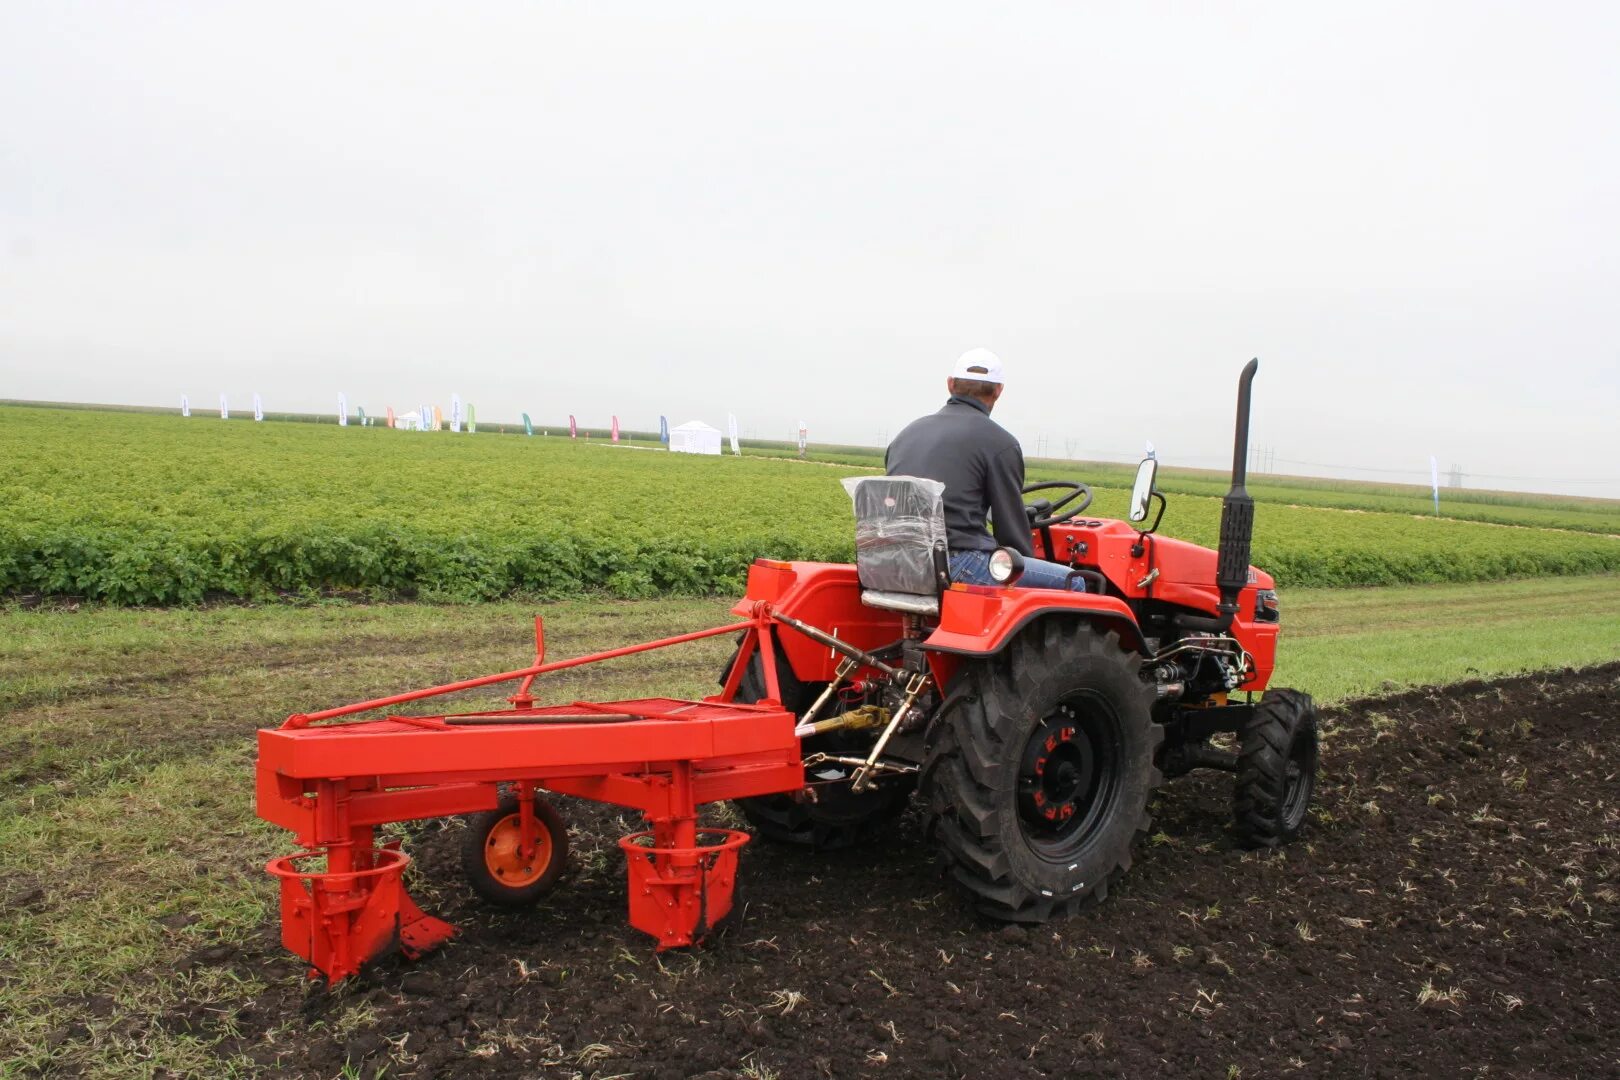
[[1032, 724]]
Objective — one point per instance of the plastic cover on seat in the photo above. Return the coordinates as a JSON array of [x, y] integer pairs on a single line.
[[898, 522]]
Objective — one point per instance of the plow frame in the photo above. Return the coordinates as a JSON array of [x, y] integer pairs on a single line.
[[332, 784]]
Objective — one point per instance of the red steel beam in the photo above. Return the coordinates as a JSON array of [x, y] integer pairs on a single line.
[[385, 748], [299, 720]]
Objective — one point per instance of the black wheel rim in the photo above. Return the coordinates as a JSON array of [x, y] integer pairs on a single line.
[[1069, 777], [1299, 777]]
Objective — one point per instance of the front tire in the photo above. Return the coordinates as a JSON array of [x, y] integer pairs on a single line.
[[1277, 765], [1039, 769]]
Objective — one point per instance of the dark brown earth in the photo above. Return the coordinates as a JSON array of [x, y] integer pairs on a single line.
[[1451, 912]]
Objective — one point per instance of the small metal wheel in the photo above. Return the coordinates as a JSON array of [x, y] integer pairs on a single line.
[[495, 863]]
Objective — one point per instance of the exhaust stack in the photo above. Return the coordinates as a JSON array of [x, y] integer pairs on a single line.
[[1237, 524], [1237, 509]]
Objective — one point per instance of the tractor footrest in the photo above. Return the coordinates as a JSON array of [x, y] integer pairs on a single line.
[[679, 894]]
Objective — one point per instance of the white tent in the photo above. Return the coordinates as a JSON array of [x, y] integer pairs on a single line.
[[408, 421], [695, 437]]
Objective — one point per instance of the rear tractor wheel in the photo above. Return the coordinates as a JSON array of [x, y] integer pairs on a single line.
[[1039, 770], [494, 859], [1277, 762]]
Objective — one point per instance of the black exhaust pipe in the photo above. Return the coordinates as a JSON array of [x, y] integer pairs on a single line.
[[1237, 522]]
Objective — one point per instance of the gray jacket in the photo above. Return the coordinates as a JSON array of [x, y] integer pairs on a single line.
[[982, 469]]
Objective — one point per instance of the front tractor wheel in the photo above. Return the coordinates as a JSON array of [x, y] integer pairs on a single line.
[[499, 867], [1039, 770], [1276, 775]]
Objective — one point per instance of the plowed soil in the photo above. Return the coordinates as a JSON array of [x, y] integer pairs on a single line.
[[1451, 912]]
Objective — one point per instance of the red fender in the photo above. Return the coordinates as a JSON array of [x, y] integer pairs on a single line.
[[977, 620]]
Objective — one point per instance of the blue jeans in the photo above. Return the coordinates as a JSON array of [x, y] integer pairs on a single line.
[[973, 568]]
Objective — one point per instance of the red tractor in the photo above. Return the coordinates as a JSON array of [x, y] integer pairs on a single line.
[[1034, 725]]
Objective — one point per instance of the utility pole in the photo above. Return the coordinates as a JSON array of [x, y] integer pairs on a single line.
[[1456, 478]]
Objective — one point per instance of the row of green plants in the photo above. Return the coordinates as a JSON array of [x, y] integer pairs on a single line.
[[139, 509], [1463, 504]]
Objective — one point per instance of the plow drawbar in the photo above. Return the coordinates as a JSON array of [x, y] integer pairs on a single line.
[[343, 901]]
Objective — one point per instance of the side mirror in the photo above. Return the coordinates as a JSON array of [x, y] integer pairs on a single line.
[[1143, 490]]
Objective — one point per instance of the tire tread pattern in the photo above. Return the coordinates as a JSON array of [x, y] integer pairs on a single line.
[[1262, 781], [970, 769]]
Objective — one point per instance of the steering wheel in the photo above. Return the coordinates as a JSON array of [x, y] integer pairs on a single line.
[[1044, 513]]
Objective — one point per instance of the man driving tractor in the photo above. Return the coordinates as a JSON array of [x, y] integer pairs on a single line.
[[982, 468]]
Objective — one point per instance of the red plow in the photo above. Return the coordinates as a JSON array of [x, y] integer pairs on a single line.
[[342, 899]]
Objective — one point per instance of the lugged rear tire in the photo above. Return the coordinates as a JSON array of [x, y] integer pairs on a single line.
[[1058, 719], [842, 819], [1277, 763]]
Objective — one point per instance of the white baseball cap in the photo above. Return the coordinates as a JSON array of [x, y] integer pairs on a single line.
[[980, 364]]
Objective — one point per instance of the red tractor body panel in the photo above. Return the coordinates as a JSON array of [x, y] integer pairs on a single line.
[[827, 595], [976, 620]]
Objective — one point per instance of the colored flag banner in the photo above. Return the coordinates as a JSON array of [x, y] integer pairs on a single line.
[[343, 411], [391, 416], [573, 427], [1434, 482], [528, 428], [258, 408], [185, 405], [663, 429], [804, 434], [424, 417], [731, 427], [364, 422], [438, 418], [472, 419], [615, 429], [224, 408], [455, 412]]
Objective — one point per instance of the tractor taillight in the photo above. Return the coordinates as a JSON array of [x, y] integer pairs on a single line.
[[1265, 606]]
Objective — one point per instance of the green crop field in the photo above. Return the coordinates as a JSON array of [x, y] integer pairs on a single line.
[[1497, 507], [141, 508]]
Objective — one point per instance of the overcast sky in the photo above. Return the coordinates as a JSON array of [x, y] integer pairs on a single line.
[[1410, 212]]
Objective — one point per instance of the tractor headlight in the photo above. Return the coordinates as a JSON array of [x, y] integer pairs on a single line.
[[1265, 606], [1006, 566]]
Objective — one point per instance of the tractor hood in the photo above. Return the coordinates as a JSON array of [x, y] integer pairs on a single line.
[[1189, 564]]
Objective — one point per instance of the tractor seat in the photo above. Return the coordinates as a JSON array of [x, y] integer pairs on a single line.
[[900, 553]]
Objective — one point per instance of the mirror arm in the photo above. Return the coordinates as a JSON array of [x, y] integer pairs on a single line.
[[1142, 534]]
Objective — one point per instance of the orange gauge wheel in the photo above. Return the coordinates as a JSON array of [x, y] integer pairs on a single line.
[[494, 859]]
